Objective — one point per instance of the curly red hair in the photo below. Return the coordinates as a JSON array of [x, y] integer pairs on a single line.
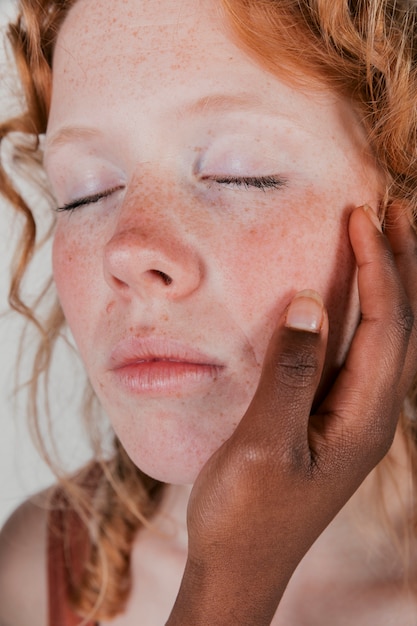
[[366, 50]]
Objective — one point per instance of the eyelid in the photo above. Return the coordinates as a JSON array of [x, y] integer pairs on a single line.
[[258, 182], [91, 199]]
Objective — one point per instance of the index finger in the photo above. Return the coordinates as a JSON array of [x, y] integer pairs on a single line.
[[363, 406]]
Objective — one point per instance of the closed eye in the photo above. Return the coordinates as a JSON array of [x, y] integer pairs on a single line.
[[71, 206], [258, 182]]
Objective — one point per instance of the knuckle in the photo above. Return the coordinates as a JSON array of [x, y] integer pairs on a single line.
[[297, 369], [297, 460], [374, 439], [404, 319]]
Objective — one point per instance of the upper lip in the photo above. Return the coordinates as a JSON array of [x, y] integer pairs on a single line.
[[141, 349]]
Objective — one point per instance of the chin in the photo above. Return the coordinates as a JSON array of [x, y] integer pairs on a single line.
[[170, 473], [172, 466]]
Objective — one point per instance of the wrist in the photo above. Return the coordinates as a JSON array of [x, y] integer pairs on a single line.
[[220, 595]]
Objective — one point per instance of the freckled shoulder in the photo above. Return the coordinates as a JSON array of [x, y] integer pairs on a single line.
[[23, 565]]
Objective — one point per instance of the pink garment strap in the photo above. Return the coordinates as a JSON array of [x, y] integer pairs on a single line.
[[68, 545]]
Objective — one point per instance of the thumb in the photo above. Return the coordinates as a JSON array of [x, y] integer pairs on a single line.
[[279, 413]]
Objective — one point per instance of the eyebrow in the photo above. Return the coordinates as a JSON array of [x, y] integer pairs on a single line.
[[70, 133], [223, 103], [215, 103]]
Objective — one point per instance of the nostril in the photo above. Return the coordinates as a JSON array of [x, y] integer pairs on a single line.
[[166, 279]]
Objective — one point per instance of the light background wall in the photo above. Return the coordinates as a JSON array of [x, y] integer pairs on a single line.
[[22, 472]]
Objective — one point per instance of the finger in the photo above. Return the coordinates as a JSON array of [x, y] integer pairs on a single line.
[[279, 413], [403, 242], [362, 407]]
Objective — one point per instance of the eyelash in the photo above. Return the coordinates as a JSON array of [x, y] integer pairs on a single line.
[[262, 182], [71, 206]]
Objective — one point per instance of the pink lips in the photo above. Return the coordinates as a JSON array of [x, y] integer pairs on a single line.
[[149, 365]]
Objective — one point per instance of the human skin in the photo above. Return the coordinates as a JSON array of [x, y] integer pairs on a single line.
[[168, 252], [270, 491], [170, 111]]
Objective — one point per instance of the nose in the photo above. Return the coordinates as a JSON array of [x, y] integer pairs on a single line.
[[150, 260]]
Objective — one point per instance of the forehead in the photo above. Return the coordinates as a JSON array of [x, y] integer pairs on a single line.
[[147, 34], [134, 48], [119, 60]]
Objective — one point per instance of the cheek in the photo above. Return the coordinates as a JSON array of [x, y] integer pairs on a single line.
[[267, 263], [73, 274]]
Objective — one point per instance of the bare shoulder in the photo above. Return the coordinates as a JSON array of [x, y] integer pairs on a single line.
[[23, 573]]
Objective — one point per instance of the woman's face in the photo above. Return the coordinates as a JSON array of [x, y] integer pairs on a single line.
[[216, 192]]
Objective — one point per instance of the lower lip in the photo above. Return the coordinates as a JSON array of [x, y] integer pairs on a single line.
[[164, 377]]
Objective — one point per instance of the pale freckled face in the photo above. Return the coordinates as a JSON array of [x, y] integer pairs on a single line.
[[173, 251]]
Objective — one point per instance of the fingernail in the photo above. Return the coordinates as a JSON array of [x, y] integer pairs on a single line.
[[305, 312], [372, 216]]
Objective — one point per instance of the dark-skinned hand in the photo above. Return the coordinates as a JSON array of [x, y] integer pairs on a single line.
[[272, 488]]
